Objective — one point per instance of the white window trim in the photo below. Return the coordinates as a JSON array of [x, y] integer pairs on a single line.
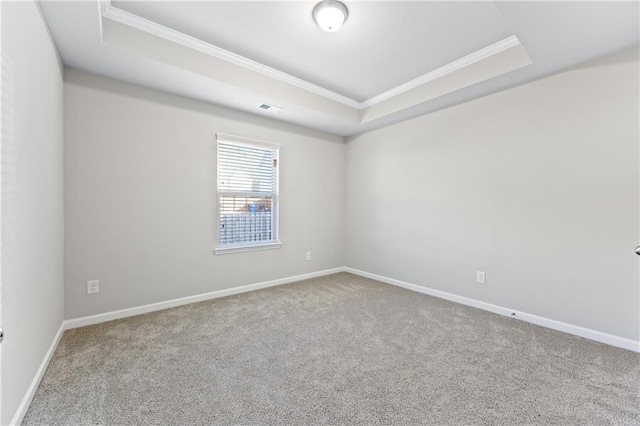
[[241, 140], [243, 248]]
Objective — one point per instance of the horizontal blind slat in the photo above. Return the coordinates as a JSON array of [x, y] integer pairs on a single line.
[[247, 194]]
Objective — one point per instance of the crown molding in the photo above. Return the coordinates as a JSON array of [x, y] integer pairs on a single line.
[[107, 10], [449, 68]]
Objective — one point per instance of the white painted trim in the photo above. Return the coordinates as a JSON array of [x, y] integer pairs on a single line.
[[110, 12], [576, 330], [449, 68], [123, 313], [241, 140], [587, 333], [244, 249], [31, 391], [598, 336], [107, 10]]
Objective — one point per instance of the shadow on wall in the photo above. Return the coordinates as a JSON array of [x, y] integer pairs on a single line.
[[108, 85]]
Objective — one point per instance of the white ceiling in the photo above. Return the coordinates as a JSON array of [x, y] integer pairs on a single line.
[[432, 35], [274, 53]]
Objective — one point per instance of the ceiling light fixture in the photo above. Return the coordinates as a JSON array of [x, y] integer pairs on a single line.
[[330, 15]]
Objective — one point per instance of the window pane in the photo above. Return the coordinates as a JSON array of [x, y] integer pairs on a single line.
[[247, 194], [244, 169], [245, 220]]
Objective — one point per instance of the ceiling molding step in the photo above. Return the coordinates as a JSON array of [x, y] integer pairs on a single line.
[[505, 55], [259, 87], [449, 68], [109, 11], [496, 64]]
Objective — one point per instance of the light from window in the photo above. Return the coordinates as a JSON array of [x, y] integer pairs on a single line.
[[247, 194]]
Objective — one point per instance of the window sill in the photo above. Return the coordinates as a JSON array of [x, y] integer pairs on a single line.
[[242, 249]]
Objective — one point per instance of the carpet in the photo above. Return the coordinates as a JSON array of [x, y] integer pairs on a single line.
[[339, 349]]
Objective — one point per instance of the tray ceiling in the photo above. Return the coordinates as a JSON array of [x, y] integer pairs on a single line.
[[368, 56], [390, 61]]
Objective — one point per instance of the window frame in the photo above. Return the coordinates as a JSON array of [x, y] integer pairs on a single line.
[[275, 243]]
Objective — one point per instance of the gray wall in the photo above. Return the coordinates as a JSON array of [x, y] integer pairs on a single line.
[[537, 186], [32, 199], [140, 182]]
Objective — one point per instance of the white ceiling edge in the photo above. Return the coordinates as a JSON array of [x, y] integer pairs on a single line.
[[471, 70], [449, 68], [265, 89], [499, 63], [190, 101], [597, 29], [107, 10]]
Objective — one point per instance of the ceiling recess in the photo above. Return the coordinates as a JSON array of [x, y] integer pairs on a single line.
[[337, 82]]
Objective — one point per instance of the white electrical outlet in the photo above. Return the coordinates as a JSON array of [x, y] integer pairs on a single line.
[[308, 255], [93, 287], [480, 277]]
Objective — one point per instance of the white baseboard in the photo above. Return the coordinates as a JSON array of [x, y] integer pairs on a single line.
[[587, 333], [123, 313], [598, 336], [33, 387], [109, 316]]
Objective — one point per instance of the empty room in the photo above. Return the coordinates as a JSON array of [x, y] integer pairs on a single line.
[[328, 212]]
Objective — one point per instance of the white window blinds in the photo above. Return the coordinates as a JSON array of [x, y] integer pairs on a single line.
[[247, 193]]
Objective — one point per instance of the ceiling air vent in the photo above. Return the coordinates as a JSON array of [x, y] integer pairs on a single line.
[[270, 108]]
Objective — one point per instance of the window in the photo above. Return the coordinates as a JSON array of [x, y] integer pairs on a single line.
[[247, 194]]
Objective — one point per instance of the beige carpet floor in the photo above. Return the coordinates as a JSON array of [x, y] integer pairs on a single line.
[[340, 349]]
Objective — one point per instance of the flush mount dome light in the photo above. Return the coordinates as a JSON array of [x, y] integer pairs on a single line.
[[330, 15]]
